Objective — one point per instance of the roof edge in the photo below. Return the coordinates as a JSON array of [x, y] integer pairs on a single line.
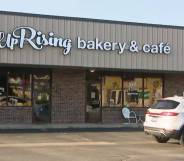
[[89, 19]]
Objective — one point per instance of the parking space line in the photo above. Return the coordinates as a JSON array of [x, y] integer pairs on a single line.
[[27, 145]]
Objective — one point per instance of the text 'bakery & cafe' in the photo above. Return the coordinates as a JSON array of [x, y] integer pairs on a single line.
[[75, 70]]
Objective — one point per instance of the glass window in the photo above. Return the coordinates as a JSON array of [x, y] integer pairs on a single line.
[[112, 91], [41, 89], [19, 89], [152, 90], [165, 104], [93, 95], [3, 89], [133, 92], [41, 97]]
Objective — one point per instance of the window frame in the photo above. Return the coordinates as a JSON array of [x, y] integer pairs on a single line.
[[23, 73], [160, 76], [5, 72], [113, 75], [142, 89], [31, 72], [134, 75]]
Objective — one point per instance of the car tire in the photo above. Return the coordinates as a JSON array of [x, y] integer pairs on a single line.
[[161, 139], [182, 138]]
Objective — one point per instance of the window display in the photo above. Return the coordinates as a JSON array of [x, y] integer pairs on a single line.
[[16, 88], [112, 91], [3, 89], [19, 89], [153, 90], [41, 97], [132, 91], [41, 88]]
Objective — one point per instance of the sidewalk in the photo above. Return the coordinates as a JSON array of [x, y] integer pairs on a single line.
[[87, 127]]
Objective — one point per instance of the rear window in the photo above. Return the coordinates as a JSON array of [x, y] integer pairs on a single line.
[[165, 104]]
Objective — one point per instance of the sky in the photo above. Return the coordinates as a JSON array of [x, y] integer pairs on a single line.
[[167, 12]]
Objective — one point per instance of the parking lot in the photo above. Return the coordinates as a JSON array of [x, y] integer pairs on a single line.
[[87, 146]]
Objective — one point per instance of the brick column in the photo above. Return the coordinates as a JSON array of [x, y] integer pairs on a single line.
[[68, 96]]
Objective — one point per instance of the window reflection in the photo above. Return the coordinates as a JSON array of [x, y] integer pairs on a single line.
[[19, 89], [41, 97], [152, 90], [112, 91], [132, 88], [41, 88], [93, 95]]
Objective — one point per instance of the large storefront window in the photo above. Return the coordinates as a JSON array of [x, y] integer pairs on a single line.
[[19, 89], [133, 92], [3, 89], [112, 91], [152, 90]]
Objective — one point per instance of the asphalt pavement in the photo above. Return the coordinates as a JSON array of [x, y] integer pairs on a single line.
[[87, 146]]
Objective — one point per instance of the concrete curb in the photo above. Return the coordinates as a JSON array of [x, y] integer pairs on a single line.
[[11, 128]]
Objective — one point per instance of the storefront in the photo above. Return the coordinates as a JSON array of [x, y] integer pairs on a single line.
[[73, 70]]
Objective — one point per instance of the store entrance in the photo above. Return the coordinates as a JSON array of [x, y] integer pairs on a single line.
[[41, 98], [93, 108]]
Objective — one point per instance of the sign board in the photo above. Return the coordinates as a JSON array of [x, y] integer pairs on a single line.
[[28, 35]]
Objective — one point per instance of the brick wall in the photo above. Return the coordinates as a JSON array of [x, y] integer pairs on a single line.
[[15, 115], [174, 85], [68, 96], [112, 115]]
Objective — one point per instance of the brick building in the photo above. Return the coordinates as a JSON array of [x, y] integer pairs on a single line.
[[75, 70]]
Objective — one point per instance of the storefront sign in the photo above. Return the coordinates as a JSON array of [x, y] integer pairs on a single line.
[[27, 35], [36, 39], [132, 46]]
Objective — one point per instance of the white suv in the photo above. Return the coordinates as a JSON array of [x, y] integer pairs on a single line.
[[165, 119]]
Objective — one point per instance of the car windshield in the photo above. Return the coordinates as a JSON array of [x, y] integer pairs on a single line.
[[165, 104]]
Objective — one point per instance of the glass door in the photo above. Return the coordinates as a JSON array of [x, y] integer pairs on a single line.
[[41, 98], [93, 108]]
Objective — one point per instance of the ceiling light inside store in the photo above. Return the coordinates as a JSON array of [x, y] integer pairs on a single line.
[[92, 70]]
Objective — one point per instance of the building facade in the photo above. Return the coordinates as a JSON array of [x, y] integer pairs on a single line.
[[75, 70]]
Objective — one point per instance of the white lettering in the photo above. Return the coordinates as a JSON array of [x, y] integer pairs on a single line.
[[67, 45], [114, 44], [121, 47], [13, 43], [154, 49], [167, 49], [81, 44], [107, 46], [146, 48], [22, 36], [38, 40], [2, 35], [161, 47], [51, 38], [45, 41], [98, 44], [8, 41], [34, 38], [91, 45]]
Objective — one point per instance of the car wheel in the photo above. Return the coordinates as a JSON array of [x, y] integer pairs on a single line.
[[161, 139], [182, 138]]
